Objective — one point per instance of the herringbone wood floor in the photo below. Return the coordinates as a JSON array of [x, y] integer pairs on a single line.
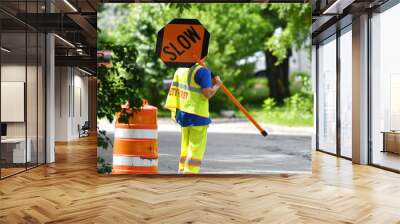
[[70, 191]]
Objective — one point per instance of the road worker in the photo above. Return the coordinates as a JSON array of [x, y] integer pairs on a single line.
[[187, 99]]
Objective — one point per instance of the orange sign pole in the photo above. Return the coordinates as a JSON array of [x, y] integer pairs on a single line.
[[239, 105]]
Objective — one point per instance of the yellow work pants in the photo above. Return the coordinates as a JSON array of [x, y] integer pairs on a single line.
[[193, 146]]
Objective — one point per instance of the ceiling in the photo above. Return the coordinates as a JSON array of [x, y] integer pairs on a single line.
[[73, 22], [330, 15]]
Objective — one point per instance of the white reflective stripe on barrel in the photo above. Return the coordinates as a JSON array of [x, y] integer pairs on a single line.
[[133, 161], [135, 133]]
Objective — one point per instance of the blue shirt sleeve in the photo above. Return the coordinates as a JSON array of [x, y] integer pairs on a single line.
[[203, 78]]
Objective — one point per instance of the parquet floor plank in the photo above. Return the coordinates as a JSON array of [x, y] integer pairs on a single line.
[[70, 191]]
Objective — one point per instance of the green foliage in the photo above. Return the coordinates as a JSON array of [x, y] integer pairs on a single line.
[[181, 7], [237, 31], [253, 91], [269, 104], [296, 30], [140, 25], [300, 82], [102, 166], [302, 100], [298, 104], [296, 111], [120, 83], [103, 140]]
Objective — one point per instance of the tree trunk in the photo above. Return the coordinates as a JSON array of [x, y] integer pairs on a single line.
[[278, 77]]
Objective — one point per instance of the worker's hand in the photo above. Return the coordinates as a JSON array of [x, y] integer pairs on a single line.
[[217, 81], [210, 92]]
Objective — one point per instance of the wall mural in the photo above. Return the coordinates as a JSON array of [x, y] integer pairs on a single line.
[[182, 89]]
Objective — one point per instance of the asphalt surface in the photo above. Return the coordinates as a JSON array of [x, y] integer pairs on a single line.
[[242, 153], [234, 148]]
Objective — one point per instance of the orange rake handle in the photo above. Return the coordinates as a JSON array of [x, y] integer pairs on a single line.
[[239, 105]]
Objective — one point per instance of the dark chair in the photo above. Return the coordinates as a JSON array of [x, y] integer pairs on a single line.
[[84, 130]]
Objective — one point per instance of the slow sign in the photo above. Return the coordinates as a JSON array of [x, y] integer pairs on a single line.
[[182, 42]]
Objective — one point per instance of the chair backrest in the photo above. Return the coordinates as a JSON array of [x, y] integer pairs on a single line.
[[86, 125]]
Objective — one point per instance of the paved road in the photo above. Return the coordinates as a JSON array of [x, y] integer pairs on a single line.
[[231, 149], [242, 153]]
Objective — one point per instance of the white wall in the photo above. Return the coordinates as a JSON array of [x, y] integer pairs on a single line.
[[80, 110], [71, 102], [10, 73], [33, 127], [299, 61], [13, 73], [61, 103]]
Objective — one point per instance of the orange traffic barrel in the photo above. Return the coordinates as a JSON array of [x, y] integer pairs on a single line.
[[135, 143]]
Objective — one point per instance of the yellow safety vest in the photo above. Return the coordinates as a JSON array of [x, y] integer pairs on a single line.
[[186, 95]]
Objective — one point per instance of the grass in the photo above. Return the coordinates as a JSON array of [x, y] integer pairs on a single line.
[[281, 116]]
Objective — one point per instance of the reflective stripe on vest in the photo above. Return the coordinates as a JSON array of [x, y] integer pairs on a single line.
[[133, 161], [191, 70], [135, 133], [187, 87]]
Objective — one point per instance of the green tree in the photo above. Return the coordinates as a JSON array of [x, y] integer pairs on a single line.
[[294, 22], [240, 30], [120, 83], [237, 31], [141, 26], [130, 32]]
